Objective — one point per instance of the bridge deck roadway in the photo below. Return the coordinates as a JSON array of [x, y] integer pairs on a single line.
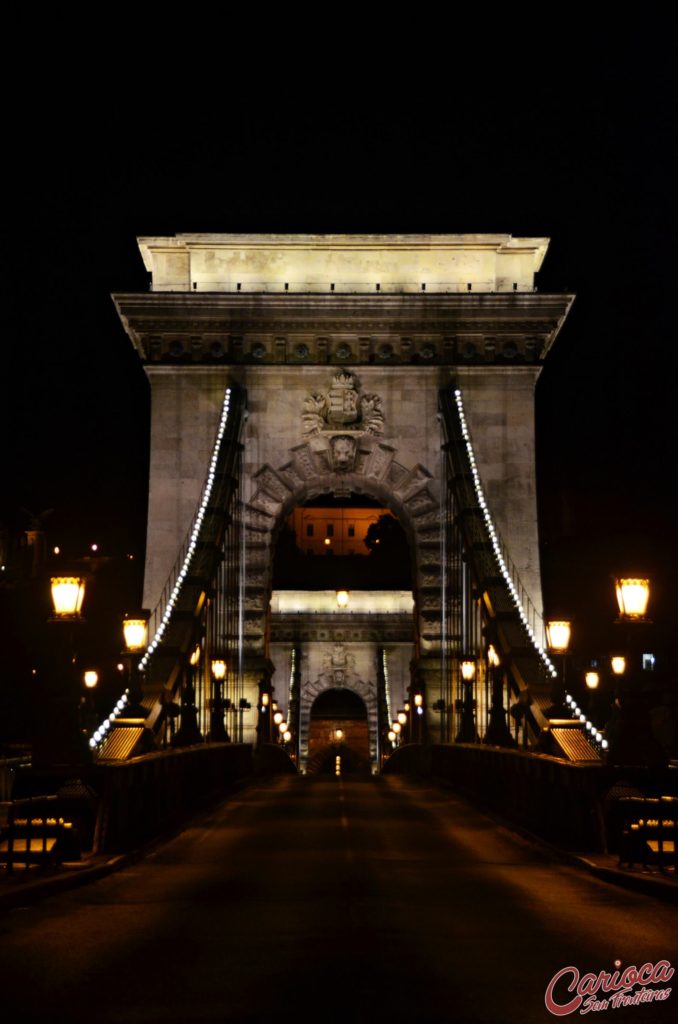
[[324, 900]]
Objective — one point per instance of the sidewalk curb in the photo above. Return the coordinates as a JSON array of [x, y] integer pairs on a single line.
[[42, 888], [658, 888]]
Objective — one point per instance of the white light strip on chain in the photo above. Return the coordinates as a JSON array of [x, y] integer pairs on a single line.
[[193, 540], [386, 685], [595, 736], [496, 546], [293, 667], [100, 734]]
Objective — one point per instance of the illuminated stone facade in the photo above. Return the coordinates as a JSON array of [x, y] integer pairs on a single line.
[[343, 343]]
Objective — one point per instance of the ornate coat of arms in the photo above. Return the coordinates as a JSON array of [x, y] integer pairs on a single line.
[[342, 409]]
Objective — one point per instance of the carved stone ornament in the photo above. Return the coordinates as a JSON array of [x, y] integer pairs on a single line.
[[342, 409], [343, 448]]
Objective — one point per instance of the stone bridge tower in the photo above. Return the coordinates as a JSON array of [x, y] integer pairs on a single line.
[[343, 343]]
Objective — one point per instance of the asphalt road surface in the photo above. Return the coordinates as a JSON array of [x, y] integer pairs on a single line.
[[318, 899]]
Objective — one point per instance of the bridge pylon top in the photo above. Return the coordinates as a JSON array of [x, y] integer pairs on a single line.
[[343, 263]]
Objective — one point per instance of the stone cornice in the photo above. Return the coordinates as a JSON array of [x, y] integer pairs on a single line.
[[448, 329]]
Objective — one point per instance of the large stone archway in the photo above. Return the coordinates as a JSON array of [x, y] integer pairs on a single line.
[[374, 471]]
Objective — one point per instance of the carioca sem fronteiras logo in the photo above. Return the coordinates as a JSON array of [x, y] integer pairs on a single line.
[[569, 991]]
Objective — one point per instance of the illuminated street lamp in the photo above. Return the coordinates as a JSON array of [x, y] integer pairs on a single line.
[[632, 741], [264, 720], [135, 634], [498, 732], [402, 717], [218, 732], [342, 598], [68, 593], [59, 736], [618, 664], [592, 679], [189, 730], [558, 635], [88, 708], [467, 727], [558, 632], [633, 596]]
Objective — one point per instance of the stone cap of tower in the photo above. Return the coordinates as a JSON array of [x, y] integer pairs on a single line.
[[342, 263]]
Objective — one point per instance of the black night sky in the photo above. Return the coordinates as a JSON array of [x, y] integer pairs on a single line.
[[580, 147]]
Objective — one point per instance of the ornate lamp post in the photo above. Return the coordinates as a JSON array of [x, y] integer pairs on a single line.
[[498, 732], [265, 715], [630, 735], [467, 728], [218, 732], [89, 719], [189, 731], [135, 632], [417, 721], [558, 634], [592, 680], [61, 740]]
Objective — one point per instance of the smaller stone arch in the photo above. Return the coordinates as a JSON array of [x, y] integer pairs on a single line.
[[338, 673], [373, 470]]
